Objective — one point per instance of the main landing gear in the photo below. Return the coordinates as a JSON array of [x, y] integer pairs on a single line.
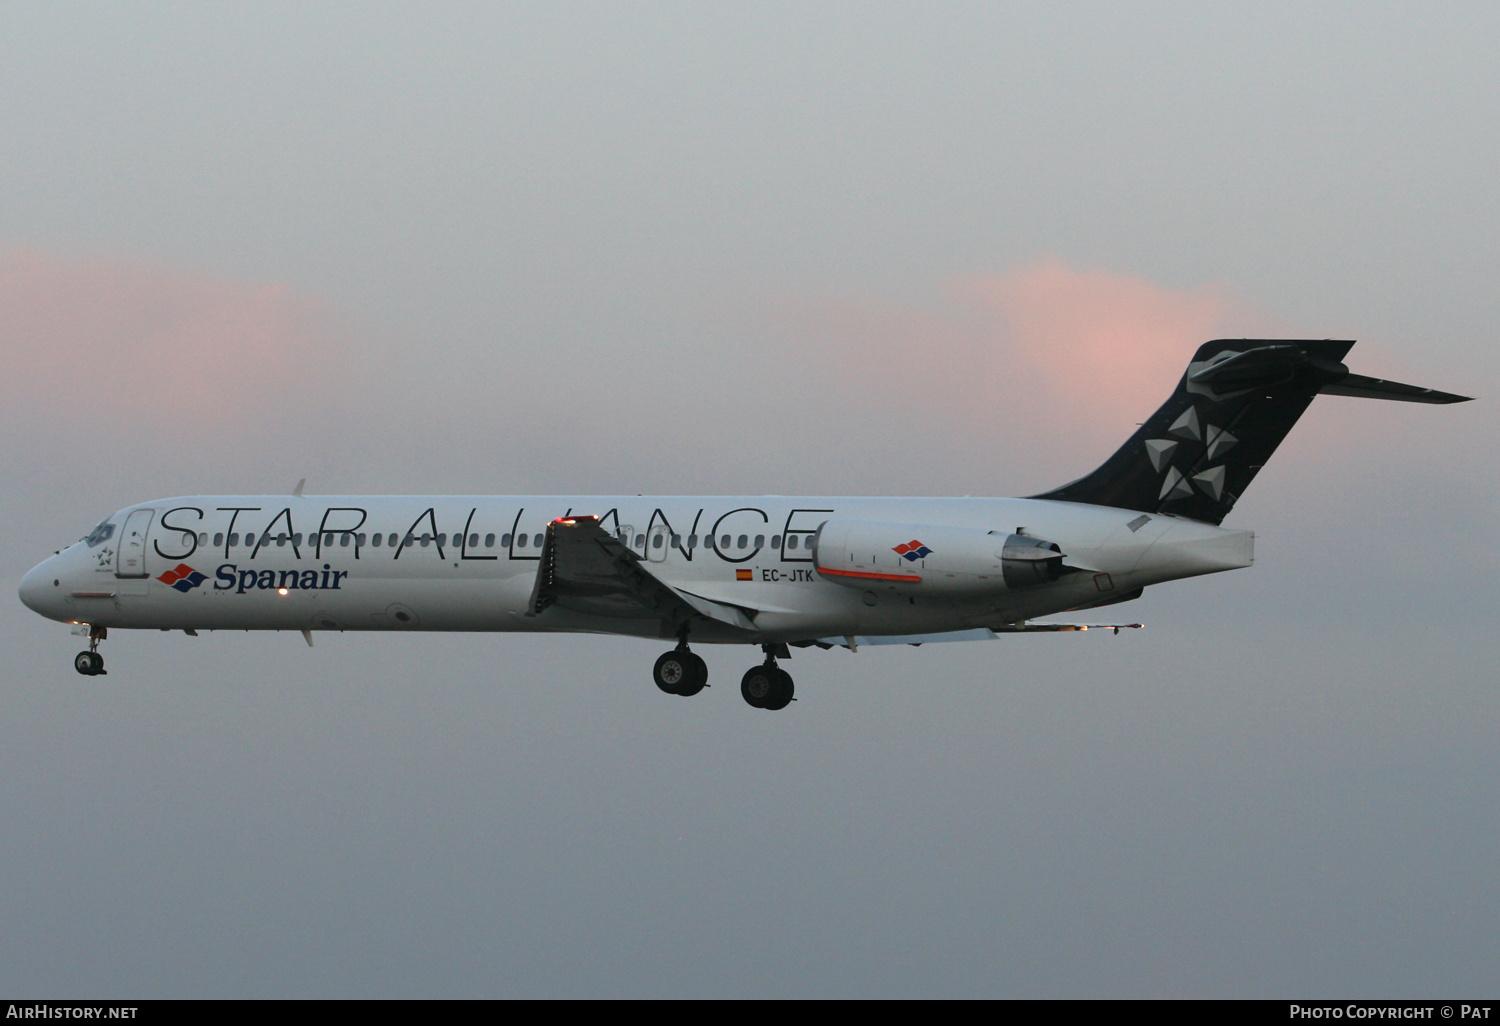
[[767, 686], [91, 663], [680, 672]]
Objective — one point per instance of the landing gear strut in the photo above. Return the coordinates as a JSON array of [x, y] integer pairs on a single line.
[[91, 663], [680, 672], [767, 686]]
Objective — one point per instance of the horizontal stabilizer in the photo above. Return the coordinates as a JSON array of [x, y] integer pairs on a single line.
[[1377, 388]]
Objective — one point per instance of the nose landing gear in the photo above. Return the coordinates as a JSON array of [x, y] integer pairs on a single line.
[[767, 686], [680, 672], [91, 663]]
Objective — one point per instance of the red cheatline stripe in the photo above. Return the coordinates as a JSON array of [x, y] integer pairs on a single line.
[[902, 578]]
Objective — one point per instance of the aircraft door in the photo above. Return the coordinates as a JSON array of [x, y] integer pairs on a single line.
[[130, 555], [658, 543]]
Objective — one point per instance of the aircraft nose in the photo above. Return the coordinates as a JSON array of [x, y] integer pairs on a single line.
[[40, 590]]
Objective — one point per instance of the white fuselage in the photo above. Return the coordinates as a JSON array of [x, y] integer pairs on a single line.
[[469, 563]]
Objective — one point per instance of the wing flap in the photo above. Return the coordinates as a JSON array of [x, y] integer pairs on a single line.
[[586, 569]]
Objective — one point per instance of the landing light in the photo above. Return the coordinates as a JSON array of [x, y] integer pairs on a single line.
[[281, 591]]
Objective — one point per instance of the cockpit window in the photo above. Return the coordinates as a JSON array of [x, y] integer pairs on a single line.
[[101, 534]]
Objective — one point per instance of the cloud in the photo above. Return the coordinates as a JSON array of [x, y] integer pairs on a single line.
[[1037, 373], [1086, 352], [1100, 347], [104, 339]]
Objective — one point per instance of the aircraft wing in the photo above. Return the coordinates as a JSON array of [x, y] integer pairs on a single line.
[[976, 634], [585, 568]]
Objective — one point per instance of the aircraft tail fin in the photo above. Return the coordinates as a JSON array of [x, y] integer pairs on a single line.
[[1237, 400]]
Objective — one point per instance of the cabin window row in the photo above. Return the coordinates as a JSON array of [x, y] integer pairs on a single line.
[[343, 539], [726, 541]]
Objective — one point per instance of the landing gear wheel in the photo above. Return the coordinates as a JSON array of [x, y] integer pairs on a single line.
[[781, 697], [697, 678], [673, 670], [759, 686], [90, 664]]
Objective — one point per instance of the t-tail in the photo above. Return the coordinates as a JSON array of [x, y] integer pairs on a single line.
[[1235, 403]]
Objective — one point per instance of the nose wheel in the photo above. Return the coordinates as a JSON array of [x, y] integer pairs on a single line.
[[680, 672], [91, 663]]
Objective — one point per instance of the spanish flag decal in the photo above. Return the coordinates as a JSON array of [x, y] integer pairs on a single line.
[[742, 575]]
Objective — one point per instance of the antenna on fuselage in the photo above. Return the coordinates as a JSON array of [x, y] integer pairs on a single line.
[[298, 490]]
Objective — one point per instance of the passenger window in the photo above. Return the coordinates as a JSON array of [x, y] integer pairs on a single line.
[[426, 540], [537, 541], [489, 541], [724, 541], [442, 539], [791, 541], [297, 538], [775, 541], [375, 540], [359, 539], [505, 541], [203, 539], [473, 541], [218, 539], [281, 540], [677, 540], [249, 539], [391, 540], [656, 542], [640, 541], [234, 539], [692, 541], [521, 540], [760, 540], [410, 541], [743, 541], [344, 539]]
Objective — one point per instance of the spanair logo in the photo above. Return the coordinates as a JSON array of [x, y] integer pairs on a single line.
[[913, 551], [183, 577]]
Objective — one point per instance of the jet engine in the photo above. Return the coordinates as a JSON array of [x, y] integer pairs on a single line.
[[951, 561]]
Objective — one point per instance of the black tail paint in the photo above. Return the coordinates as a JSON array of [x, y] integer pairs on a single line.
[[1236, 402]]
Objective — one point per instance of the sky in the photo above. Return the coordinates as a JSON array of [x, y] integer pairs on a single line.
[[670, 248]]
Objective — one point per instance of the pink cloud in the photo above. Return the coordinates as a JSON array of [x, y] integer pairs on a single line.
[[1040, 353], [134, 343], [1101, 346]]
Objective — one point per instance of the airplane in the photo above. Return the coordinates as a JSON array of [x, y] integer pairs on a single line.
[[771, 571]]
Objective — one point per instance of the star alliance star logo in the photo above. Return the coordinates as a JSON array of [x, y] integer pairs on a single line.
[[1191, 429], [183, 577]]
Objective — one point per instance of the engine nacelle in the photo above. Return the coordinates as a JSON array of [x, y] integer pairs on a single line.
[[956, 561]]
